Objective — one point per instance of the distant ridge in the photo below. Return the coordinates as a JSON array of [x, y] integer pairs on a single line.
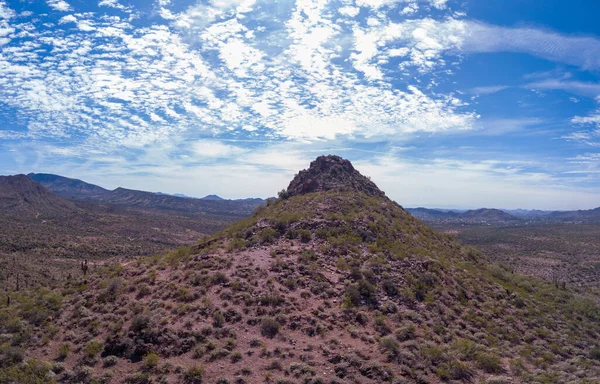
[[476, 215], [67, 187], [212, 197], [78, 190]]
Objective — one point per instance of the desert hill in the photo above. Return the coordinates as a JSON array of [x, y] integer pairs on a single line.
[[330, 283], [20, 194], [78, 190], [69, 188]]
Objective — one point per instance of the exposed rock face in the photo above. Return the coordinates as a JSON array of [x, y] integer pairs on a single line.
[[332, 173]]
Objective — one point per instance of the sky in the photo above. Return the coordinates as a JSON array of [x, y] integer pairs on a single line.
[[450, 104]]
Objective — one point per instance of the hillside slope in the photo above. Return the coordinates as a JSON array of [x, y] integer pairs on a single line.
[[332, 286], [21, 195], [69, 188]]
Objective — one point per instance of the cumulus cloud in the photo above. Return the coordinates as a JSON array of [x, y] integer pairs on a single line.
[[59, 5]]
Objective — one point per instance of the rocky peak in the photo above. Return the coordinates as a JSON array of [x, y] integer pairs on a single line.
[[332, 173]]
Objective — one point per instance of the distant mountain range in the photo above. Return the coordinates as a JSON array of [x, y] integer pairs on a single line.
[[478, 215], [79, 190], [51, 194], [491, 216]]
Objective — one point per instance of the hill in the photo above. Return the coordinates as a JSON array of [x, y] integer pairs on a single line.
[[23, 196], [330, 283], [212, 197], [69, 188], [78, 190]]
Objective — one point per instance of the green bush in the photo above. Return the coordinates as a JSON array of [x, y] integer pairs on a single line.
[[488, 362], [218, 319], [193, 375], [305, 235], [389, 345], [94, 347], [30, 372], [268, 235], [406, 332], [151, 361], [269, 327], [352, 297], [64, 350]]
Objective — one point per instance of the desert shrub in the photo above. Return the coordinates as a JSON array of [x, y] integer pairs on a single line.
[[283, 194], [423, 285], [367, 291], [138, 378], [389, 345], [405, 332], [193, 375], [488, 362], [595, 353], [433, 353], [64, 350], [219, 278], [389, 286], [236, 244], [268, 235], [94, 347], [454, 370], [110, 361], [236, 356], [352, 297], [499, 272], [151, 361], [112, 288], [269, 327], [181, 254], [305, 235], [218, 319], [30, 372], [143, 290], [139, 323], [466, 349], [381, 325], [584, 306], [307, 256], [12, 355]]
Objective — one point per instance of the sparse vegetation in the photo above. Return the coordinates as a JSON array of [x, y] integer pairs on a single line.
[[367, 294]]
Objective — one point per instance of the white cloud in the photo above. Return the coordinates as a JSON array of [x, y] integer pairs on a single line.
[[590, 119], [577, 87], [213, 149], [216, 69], [488, 90], [5, 12], [583, 52], [59, 5], [451, 183], [67, 19], [349, 11]]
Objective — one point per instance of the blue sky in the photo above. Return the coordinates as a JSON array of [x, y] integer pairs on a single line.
[[443, 103]]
